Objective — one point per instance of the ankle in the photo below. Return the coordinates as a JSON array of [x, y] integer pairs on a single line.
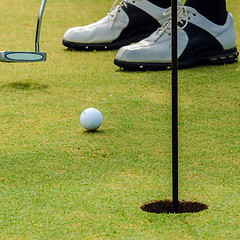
[[161, 3], [214, 11]]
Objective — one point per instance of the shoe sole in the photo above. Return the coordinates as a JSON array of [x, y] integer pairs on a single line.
[[216, 58], [101, 46]]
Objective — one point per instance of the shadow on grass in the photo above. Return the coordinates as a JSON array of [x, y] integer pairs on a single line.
[[86, 132], [25, 86]]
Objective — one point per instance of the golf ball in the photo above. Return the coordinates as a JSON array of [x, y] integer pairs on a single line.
[[91, 119]]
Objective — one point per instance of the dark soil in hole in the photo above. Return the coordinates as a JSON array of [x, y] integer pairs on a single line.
[[166, 206]]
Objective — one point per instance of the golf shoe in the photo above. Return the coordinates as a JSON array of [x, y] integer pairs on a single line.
[[126, 23], [200, 41]]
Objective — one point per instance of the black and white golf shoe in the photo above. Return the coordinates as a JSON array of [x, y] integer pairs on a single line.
[[200, 41], [126, 23]]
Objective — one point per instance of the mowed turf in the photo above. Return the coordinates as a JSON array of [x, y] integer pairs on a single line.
[[58, 181]]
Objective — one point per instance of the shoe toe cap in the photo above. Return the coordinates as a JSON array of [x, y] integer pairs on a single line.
[[141, 54], [74, 34], [133, 52], [89, 34], [129, 54], [120, 53]]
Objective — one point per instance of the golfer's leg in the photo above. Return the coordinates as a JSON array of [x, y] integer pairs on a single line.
[[213, 10], [161, 3]]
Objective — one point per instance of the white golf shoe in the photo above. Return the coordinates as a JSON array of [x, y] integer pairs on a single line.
[[128, 22], [200, 41]]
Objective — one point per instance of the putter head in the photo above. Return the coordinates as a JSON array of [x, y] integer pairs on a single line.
[[8, 56]]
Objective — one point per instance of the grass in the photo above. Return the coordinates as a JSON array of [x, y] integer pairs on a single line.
[[60, 182]]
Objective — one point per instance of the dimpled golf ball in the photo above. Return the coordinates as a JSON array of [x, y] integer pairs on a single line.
[[91, 119]]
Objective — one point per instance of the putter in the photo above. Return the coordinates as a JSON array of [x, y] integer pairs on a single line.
[[10, 56]]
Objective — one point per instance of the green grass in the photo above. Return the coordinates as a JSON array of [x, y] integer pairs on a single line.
[[58, 181]]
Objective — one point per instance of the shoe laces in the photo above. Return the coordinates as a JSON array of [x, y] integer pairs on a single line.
[[116, 9], [182, 18]]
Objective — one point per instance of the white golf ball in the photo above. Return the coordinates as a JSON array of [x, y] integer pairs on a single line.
[[91, 119]]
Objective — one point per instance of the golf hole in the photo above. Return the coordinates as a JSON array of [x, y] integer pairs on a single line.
[[166, 206]]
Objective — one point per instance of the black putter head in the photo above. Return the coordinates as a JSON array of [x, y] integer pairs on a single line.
[[11, 56], [8, 56]]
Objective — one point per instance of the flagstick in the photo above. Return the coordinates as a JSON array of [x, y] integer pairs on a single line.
[[174, 108]]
